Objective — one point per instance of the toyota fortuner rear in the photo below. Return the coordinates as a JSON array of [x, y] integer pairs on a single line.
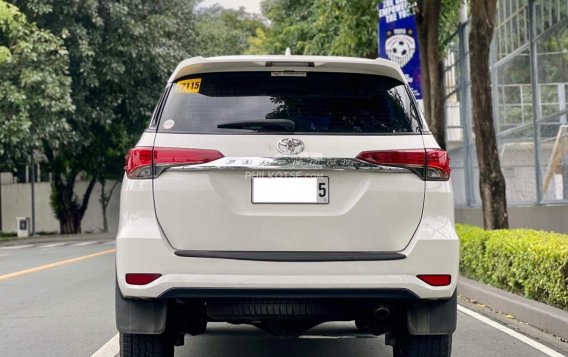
[[283, 192]]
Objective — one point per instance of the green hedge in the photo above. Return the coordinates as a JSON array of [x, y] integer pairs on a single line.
[[523, 261]]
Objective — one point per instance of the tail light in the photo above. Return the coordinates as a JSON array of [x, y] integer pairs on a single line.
[[146, 162], [436, 279], [141, 278], [139, 163], [429, 164]]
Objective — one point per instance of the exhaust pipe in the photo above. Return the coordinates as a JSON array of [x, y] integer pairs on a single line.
[[382, 312]]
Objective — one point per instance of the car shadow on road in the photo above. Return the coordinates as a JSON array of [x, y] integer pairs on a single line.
[[228, 341]]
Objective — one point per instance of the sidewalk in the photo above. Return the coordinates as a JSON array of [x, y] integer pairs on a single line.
[[537, 314], [58, 238]]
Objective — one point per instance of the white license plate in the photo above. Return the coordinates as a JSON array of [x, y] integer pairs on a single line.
[[290, 190]]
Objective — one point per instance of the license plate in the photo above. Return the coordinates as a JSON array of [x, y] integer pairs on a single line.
[[290, 190]]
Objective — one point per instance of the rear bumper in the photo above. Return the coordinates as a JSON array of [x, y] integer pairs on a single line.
[[189, 276]]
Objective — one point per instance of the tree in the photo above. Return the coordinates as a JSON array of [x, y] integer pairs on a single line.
[[491, 179], [436, 20], [121, 53], [225, 31], [321, 27], [111, 142], [105, 198], [34, 87], [431, 63], [289, 27]]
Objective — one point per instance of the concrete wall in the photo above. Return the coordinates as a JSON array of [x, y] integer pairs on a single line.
[[16, 202], [548, 218]]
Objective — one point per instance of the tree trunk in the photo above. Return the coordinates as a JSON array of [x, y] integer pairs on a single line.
[[431, 63], [105, 219], [104, 199], [491, 180], [63, 201], [422, 29], [70, 222]]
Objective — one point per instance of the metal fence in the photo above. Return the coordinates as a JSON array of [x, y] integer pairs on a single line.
[[529, 72]]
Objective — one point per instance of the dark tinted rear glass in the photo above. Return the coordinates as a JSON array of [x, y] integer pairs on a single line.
[[307, 103]]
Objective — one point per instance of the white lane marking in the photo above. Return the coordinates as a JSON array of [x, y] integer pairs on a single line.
[[52, 245], [17, 246], [109, 349], [539, 346], [84, 243]]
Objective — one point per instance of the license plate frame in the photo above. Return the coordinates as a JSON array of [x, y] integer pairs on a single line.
[[290, 190]]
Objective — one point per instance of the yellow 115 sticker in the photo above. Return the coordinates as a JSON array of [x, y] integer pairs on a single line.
[[189, 85]]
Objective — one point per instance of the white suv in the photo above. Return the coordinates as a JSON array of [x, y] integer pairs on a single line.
[[283, 192]]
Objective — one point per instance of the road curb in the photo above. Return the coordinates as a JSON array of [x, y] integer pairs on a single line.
[[537, 314], [59, 238]]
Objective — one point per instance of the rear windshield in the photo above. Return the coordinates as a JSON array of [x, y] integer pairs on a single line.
[[295, 102]]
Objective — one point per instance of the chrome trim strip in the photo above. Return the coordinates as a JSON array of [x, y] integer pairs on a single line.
[[291, 256], [286, 164], [232, 293]]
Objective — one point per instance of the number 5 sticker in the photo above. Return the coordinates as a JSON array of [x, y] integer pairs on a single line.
[[189, 85], [323, 189]]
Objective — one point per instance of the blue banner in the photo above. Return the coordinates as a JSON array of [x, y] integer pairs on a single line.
[[398, 40]]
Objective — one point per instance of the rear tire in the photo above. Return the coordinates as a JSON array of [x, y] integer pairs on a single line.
[[423, 346], [134, 345]]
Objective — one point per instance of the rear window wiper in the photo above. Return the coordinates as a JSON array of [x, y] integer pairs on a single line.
[[260, 124]]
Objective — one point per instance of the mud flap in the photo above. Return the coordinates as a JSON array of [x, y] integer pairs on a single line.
[[434, 317], [137, 316]]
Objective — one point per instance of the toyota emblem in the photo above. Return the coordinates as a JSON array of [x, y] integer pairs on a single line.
[[290, 146]]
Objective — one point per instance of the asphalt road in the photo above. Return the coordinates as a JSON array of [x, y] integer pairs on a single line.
[[57, 300]]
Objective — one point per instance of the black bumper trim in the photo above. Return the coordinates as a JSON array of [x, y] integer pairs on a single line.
[[290, 293], [291, 256]]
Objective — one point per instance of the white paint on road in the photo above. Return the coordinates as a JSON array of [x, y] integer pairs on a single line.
[[59, 244], [52, 245], [81, 244], [539, 346], [109, 349], [17, 246]]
